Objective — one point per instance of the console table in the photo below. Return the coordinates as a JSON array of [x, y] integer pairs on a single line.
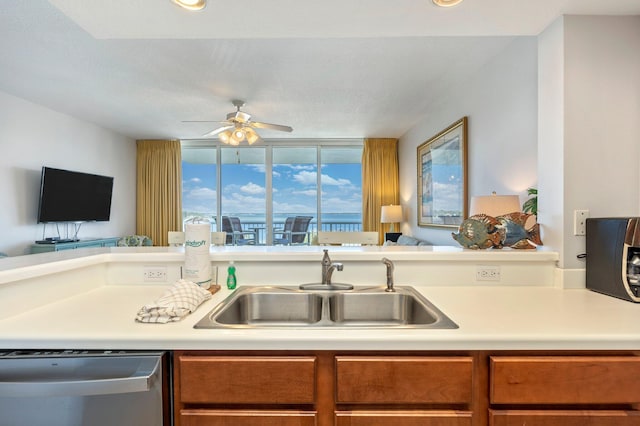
[[102, 242]]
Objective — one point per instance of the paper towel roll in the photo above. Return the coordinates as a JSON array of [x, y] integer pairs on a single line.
[[197, 264]]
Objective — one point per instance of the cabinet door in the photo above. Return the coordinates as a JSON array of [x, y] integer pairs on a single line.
[[414, 380], [565, 380], [246, 418], [247, 379], [563, 418], [403, 418]]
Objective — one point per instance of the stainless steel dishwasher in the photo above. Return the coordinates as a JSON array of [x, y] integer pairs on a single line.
[[74, 388]]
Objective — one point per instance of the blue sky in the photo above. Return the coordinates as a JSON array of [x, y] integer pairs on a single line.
[[294, 188]]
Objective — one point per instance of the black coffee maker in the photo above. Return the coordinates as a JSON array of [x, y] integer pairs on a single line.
[[613, 257]]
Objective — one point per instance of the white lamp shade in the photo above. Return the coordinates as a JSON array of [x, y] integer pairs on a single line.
[[494, 205], [391, 214]]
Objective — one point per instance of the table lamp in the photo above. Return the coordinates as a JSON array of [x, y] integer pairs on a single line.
[[494, 205], [391, 214]]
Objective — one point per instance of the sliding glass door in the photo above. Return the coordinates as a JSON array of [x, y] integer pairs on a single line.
[[294, 194], [263, 186], [243, 192]]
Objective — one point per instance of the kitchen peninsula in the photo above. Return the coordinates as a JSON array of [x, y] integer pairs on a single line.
[[522, 326]]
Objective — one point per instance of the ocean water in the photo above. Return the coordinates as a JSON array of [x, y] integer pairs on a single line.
[[281, 217], [330, 222]]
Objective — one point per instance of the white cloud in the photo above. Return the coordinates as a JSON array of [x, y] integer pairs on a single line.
[[310, 178], [328, 180], [201, 193], [308, 192], [252, 188]]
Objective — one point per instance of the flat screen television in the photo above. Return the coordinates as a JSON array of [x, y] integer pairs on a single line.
[[68, 196]]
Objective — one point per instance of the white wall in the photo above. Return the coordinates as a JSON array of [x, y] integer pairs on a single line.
[[602, 122], [32, 136], [501, 103], [589, 144], [551, 155]]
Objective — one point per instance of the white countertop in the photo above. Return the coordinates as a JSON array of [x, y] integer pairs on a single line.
[[490, 318], [86, 300]]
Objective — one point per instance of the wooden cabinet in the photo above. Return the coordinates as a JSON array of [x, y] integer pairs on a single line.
[[322, 389], [472, 388], [204, 417], [564, 390], [409, 380], [247, 380], [564, 418], [263, 390], [404, 418], [45, 248]]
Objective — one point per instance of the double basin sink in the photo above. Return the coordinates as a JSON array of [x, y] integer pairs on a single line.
[[361, 307]]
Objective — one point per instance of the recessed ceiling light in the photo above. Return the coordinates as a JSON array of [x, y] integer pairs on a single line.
[[191, 4], [446, 3]]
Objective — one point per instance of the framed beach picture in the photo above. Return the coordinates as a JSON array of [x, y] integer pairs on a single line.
[[442, 177]]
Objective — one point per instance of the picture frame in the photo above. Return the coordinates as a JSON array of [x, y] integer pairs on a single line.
[[442, 177]]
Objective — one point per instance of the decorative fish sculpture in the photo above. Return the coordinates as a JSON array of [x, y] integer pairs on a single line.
[[480, 232], [516, 235]]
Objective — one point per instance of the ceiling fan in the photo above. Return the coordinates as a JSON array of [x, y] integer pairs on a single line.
[[239, 127]]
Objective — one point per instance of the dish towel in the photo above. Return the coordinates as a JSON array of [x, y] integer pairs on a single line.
[[177, 302]]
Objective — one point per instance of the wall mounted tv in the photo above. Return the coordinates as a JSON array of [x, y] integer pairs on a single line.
[[68, 196]]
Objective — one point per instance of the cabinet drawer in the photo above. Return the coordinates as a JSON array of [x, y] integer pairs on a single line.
[[247, 380], [403, 418], [414, 380], [563, 418], [565, 380], [246, 418]]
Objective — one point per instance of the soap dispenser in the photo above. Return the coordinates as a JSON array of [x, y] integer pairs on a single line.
[[231, 276]]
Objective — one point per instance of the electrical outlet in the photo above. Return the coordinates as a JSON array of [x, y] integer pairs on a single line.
[[487, 273], [580, 222], [155, 274]]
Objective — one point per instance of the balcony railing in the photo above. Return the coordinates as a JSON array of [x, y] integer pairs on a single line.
[[261, 229]]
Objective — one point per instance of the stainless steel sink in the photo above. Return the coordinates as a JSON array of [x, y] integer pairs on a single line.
[[351, 309], [361, 307], [271, 307]]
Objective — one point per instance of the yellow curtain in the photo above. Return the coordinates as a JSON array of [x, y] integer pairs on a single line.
[[159, 189], [380, 183]]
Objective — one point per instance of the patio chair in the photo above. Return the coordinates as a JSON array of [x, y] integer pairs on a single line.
[[300, 230], [283, 236], [235, 235]]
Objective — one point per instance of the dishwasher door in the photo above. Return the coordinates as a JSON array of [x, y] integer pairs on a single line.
[[104, 388]]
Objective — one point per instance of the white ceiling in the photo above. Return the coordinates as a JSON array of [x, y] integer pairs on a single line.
[[329, 69]]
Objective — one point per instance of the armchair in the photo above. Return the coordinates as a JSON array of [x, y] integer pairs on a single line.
[[296, 231], [235, 235], [285, 233]]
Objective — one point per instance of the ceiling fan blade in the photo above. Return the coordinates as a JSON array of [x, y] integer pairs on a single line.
[[204, 121], [218, 130], [279, 127]]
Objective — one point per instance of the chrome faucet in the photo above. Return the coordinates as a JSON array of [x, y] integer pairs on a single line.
[[389, 265], [328, 267], [327, 270]]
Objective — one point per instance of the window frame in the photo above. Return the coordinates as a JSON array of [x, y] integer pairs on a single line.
[[269, 145]]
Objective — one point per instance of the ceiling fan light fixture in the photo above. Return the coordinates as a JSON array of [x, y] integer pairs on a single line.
[[239, 134], [225, 137], [239, 127], [252, 136], [446, 3], [191, 4]]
